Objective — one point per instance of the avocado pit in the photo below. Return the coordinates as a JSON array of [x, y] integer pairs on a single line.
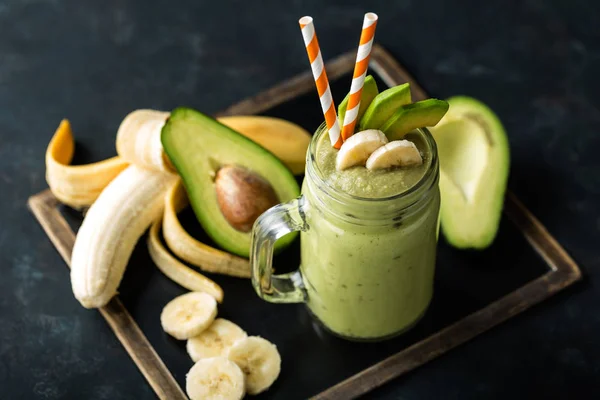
[[243, 196]]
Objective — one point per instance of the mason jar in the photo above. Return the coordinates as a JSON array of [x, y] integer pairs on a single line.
[[367, 264]]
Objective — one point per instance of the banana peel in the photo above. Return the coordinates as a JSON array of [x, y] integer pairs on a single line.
[[288, 141], [176, 270], [77, 186], [190, 250]]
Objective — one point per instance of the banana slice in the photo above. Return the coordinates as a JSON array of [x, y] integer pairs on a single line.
[[215, 340], [215, 378], [398, 153], [188, 315], [259, 360], [357, 149]]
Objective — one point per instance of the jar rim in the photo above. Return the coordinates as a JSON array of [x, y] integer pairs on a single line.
[[316, 174]]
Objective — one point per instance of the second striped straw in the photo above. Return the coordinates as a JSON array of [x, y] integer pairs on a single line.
[[320, 76], [360, 71]]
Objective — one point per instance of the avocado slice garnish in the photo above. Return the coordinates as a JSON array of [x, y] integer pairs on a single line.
[[474, 163], [384, 105], [198, 146], [369, 92], [412, 116]]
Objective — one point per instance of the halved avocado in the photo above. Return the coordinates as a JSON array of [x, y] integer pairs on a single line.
[[198, 146], [369, 92], [412, 116], [385, 105], [474, 164]]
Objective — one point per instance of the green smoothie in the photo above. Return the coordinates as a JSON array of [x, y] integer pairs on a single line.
[[368, 255]]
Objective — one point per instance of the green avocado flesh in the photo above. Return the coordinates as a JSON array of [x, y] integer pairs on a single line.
[[412, 116], [474, 164], [198, 146], [384, 106], [366, 97]]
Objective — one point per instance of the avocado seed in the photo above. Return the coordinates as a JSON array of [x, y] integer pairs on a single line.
[[242, 196]]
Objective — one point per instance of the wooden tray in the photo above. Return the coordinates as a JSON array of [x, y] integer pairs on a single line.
[[475, 291]]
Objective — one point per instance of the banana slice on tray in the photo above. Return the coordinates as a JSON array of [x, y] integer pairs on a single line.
[[215, 378], [215, 340], [188, 315], [357, 149], [259, 360], [398, 153]]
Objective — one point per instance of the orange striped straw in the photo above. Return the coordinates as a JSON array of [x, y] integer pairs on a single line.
[[318, 70], [360, 71]]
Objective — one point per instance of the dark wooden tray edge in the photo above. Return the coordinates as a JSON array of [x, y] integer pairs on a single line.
[[45, 208]]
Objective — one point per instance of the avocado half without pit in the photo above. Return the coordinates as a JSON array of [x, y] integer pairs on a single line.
[[474, 164], [230, 180]]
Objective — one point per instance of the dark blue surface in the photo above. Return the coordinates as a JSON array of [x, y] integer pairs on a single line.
[[534, 62]]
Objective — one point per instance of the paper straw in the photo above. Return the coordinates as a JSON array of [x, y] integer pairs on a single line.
[[320, 76], [360, 71]]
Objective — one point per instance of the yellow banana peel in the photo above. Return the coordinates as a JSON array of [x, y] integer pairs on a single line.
[[176, 270], [77, 186], [190, 250], [288, 141]]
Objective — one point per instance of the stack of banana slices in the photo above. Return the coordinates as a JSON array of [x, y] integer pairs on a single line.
[[228, 362], [371, 149]]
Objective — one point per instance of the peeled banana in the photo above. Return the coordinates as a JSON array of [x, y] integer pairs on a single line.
[[77, 186], [110, 230]]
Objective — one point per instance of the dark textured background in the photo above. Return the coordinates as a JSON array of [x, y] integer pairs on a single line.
[[534, 62]]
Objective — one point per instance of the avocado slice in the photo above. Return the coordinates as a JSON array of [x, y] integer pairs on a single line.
[[412, 116], [474, 164], [369, 92], [385, 105], [198, 146]]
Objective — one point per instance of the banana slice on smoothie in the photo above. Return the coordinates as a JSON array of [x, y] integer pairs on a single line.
[[259, 360], [357, 149], [215, 340], [398, 153], [188, 315], [215, 378]]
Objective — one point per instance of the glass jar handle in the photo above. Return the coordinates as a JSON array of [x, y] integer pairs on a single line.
[[270, 226]]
